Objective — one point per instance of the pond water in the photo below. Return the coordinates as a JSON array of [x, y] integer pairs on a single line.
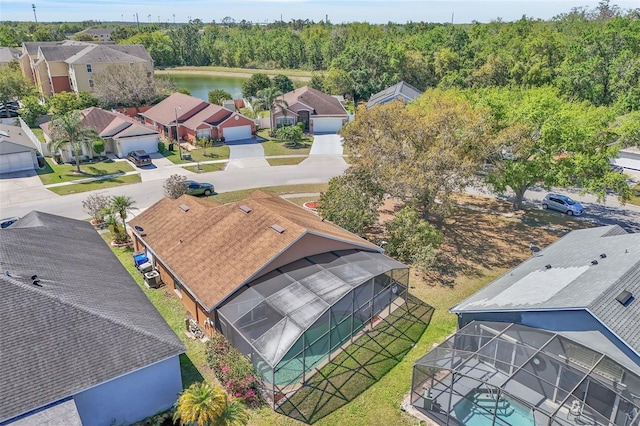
[[201, 85]]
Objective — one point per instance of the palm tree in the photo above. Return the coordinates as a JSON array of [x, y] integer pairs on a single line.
[[122, 205], [68, 129], [270, 97], [204, 404]]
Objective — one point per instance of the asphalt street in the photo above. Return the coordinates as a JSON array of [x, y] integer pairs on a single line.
[[317, 169]]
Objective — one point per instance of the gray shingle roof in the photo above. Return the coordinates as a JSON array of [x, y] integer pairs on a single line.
[[573, 282], [98, 53], [85, 323], [402, 89]]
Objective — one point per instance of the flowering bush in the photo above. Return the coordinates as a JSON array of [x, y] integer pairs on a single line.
[[234, 371]]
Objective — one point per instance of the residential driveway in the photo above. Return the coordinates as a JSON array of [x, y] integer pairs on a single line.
[[326, 145], [246, 154], [20, 187], [161, 168]]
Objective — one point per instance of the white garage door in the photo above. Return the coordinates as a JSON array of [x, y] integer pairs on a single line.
[[327, 125], [16, 162], [236, 133], [149, 144]]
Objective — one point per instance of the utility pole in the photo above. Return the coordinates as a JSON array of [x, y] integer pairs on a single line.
[[33, 5], [138, 21], [174, 19]]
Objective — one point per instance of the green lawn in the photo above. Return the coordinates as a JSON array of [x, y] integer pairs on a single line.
[[56, 173], [275, 147], [286, 161], [38, 132], [193, 363], [635, 198], [198, 155], [230, 197], [304, 75], [204, 168], [75, 188]]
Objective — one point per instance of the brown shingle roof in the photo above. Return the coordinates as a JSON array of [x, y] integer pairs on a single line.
[[213, 249], [321, 103], [165, 111], [212, 114]]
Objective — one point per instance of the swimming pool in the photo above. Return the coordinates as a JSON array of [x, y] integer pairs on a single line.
[[476, 409]]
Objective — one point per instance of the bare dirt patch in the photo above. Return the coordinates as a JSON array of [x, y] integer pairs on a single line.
[[483, 234]]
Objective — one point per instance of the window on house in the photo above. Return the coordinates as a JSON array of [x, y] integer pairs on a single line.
[[90, 83], [285, 121], [89, 69]]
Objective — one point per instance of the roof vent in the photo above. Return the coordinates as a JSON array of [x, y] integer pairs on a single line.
[[603, 255], [35, 281], [184, 207], [279, 229], [246, 208], [594, 262], [139, 228], [547, 266], [625, 298]]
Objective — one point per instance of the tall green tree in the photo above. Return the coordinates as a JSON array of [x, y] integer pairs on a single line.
[[545, 140], [352, 201], [122, 205], [204, 404], [65, 102], [255, 83], [272, 99], [12, 84], [412, 239], [283, 83], [423, 152], [31, 110], [68, 129], [218, 96]]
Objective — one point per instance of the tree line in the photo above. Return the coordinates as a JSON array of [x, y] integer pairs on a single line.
[[591, 55]]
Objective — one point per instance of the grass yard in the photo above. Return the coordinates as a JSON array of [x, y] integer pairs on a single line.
[[205, 168], [274, 147], [635, 198], [75, 188], [38, 132], [301, 75], [56, 173], [193, 364], [198, 155], [230, 197], [285, 161]]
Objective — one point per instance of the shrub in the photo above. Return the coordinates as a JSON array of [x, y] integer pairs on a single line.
[[234, 371], [161, 147]]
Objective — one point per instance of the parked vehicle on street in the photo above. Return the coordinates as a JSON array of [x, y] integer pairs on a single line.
[[199, 188], [4, 223], [139, 158], [562, 203]]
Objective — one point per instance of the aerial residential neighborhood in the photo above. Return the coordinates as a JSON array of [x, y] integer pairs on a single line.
[[300, 219]]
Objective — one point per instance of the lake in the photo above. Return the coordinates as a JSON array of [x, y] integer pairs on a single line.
[[201, 85]]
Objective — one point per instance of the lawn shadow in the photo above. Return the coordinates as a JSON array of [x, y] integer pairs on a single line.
[[190, 373], [359, 365]]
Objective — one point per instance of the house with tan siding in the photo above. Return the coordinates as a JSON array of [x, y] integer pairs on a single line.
[[70, 66]]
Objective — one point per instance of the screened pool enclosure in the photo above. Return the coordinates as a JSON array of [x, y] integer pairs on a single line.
[[509, 374], [292, 320]]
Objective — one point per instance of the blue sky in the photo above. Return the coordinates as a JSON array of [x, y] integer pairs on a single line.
[[374, 11]]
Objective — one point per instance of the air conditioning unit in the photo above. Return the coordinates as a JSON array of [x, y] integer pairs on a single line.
[[152, 279]]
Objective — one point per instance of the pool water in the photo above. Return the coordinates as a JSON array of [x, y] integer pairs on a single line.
[[476, 409]]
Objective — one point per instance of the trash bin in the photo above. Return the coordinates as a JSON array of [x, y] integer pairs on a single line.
[[57, 157], [41, 162], [170, 147], [145, 267]]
